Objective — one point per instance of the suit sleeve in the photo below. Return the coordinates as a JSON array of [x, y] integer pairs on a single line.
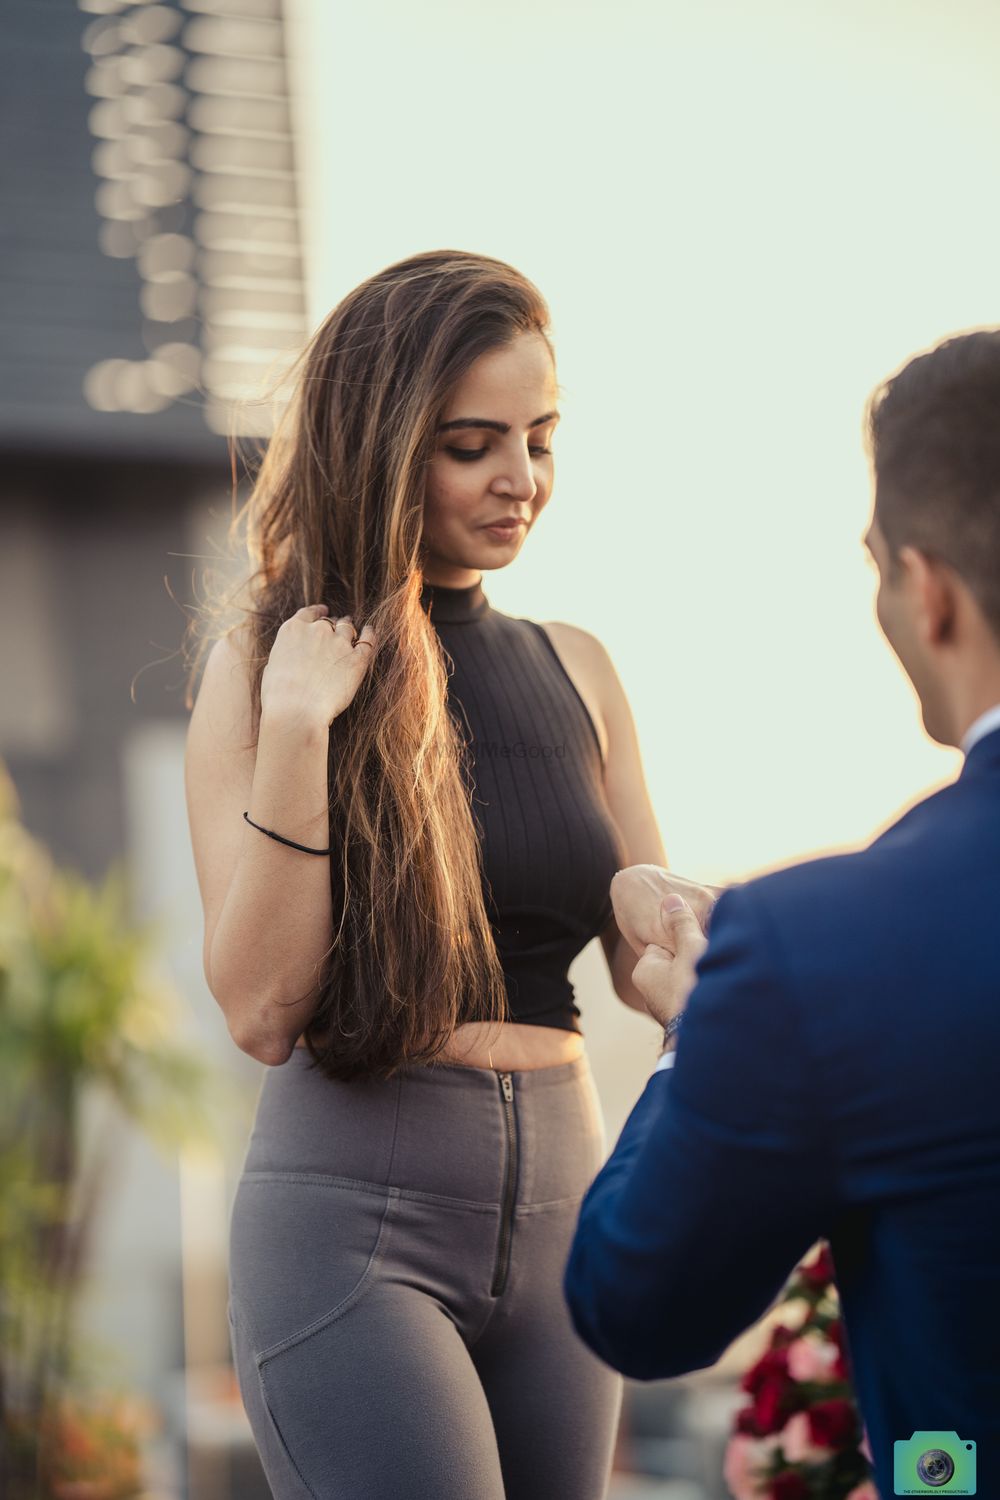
[[721, 1179]]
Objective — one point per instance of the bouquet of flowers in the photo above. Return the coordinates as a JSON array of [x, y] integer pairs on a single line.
[[801, 1436]]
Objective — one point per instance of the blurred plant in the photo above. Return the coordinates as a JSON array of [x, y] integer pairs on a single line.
[[82, 1012], [802, 1436], [89, 1450]]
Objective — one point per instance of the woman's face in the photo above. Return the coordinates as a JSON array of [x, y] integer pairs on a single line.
[[492, 462]]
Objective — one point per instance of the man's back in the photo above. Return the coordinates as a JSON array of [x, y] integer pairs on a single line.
[[894, 957], [837, 1076]]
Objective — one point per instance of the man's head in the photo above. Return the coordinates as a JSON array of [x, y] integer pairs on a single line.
[[933, 433]]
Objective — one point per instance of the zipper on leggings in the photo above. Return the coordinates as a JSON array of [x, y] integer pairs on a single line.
[[509, 1186]]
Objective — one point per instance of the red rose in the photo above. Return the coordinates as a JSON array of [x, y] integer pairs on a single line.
[[773, 1390], [789, 1485], [833, 1424], [819, 1272], [746, 1422], [771, 1366], [836, 1335], [770, 1407]]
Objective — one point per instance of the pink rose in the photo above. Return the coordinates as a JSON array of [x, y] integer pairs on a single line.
[[812, 1359], [745, 1456], [797, 1444], [864, 1491]]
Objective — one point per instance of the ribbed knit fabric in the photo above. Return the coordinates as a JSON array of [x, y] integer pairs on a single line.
[[550, 846]]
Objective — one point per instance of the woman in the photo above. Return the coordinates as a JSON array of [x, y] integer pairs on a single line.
[[403, 836]]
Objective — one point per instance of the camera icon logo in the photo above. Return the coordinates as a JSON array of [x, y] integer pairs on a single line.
[[934, 1463]]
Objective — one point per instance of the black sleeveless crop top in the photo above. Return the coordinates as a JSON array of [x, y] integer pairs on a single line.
[[549, 843]]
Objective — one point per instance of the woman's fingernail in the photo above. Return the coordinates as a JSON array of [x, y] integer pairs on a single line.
[[673, 902]]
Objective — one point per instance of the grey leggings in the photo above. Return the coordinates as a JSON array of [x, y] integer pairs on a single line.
[[396, 1258]]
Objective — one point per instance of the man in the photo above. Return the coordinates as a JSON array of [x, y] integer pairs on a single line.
[[837, 1068]]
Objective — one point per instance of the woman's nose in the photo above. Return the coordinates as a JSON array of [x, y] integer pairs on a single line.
[[520, 477]]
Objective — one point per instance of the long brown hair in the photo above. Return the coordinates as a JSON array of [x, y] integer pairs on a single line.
[[335, 516]]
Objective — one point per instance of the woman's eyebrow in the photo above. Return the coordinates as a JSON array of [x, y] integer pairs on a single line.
[[493, 426]]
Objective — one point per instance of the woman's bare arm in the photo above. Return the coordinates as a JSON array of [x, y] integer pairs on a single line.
[[632, 809], [624, 784], [268, 908]]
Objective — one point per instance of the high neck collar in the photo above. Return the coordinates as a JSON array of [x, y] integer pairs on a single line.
[[454, 606]]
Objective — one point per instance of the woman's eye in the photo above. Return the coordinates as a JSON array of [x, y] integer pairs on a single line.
[[466, 455]]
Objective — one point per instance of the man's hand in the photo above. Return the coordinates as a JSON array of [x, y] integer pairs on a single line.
[[636, 894], [664, 975]]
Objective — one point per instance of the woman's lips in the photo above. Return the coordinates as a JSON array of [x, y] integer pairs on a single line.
[[505, 530]]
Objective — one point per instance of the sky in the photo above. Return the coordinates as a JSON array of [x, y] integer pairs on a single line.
[[742, 218]]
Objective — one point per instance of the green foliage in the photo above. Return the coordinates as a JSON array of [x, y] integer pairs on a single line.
[[82, 1009]]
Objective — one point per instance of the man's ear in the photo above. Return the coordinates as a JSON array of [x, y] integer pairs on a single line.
[[929, 584]]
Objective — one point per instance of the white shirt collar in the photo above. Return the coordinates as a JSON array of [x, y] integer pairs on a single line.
[[979, 728]]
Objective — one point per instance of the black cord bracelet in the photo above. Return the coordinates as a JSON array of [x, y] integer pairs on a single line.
[[290, 842]]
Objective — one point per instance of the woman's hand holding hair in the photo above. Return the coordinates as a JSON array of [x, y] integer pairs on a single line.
[[315, 666]]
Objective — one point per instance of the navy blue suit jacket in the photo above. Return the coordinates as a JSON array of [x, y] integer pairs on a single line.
[[837, 1076]]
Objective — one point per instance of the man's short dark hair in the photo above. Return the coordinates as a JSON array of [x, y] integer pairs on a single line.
[[933, 432]]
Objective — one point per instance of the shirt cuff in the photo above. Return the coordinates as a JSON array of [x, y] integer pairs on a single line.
[[666, 1061]]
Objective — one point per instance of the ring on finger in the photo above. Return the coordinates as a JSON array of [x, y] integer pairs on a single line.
[[347, 621]]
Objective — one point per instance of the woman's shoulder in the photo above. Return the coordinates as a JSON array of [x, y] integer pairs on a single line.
[[585, 662], [592, 668], [574, 636], [584, 648]]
